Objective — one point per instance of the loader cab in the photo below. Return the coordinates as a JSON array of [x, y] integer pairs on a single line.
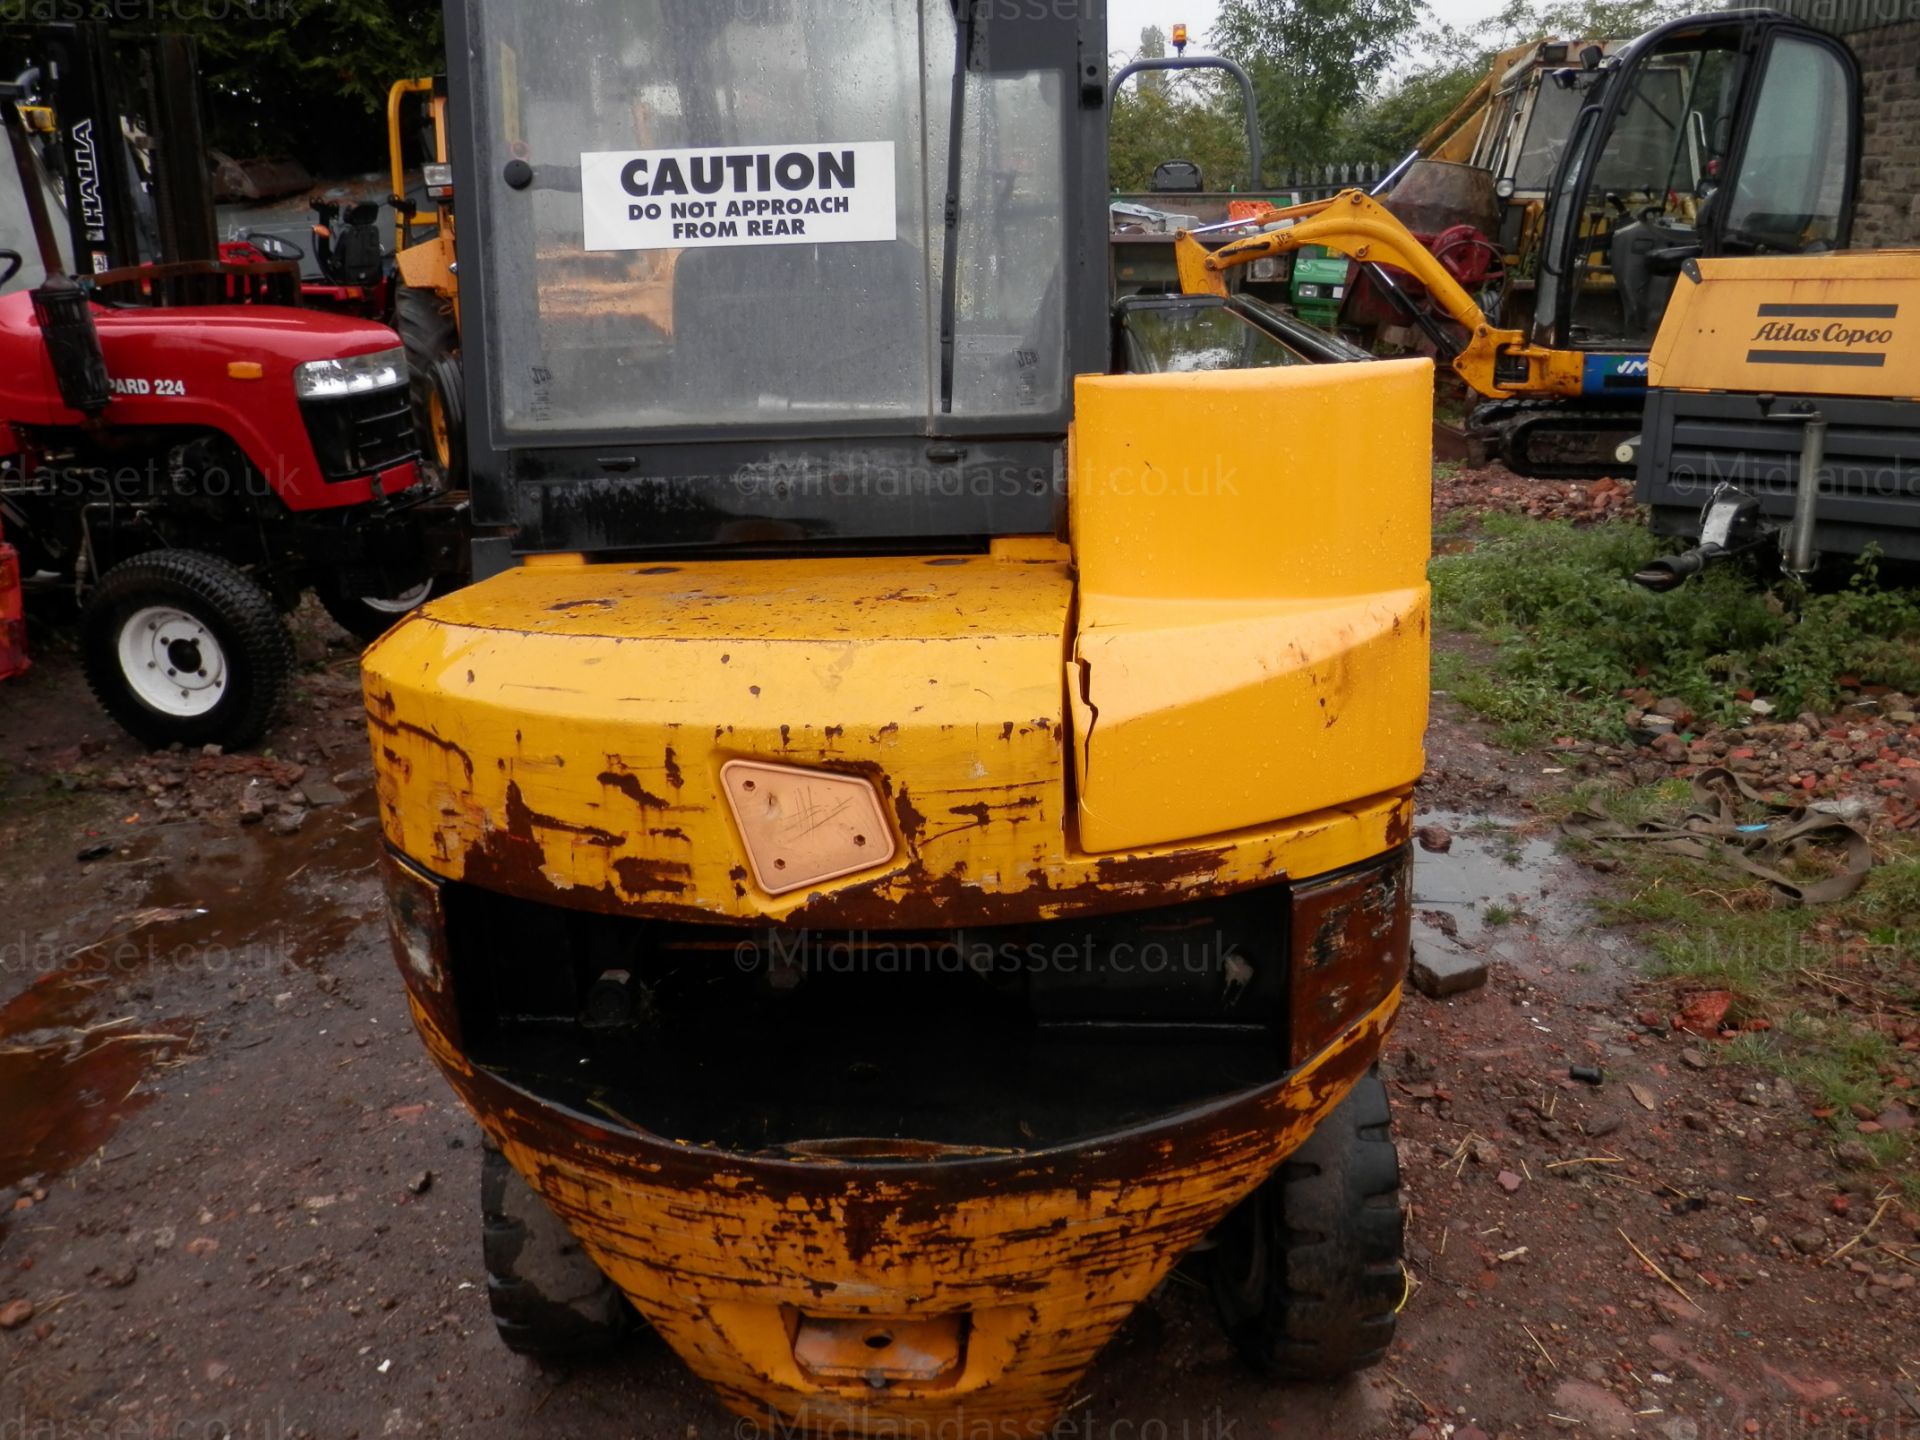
[[743, 277], [1735, 133]]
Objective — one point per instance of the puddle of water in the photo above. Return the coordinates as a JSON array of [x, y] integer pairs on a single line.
[[1548, 930], [65, 1086], [223, 903], [1491, 867]]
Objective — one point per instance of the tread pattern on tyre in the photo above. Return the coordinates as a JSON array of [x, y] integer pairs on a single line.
[[351, 613], [1332, 1277], [424, 321], [241, 614], [548, 1298]]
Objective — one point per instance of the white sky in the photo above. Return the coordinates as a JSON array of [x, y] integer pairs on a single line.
[[1127, 18]]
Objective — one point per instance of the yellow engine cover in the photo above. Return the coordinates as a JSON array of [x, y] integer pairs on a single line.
[[1252, 547], [559, 732], [1847, 323]]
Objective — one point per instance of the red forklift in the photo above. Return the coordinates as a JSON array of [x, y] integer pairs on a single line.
[[184, 447]]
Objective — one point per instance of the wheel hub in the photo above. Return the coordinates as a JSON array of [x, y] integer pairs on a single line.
[[184, 655], [172, 661]]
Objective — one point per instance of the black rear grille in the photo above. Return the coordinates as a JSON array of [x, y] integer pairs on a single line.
[[359, 434], [1870, 479]]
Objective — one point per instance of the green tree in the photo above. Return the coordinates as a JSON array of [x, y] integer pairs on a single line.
[[309, 77], [1385, 127], [1312, 62], [1153, 46], [1524, 20], [1189, 119]]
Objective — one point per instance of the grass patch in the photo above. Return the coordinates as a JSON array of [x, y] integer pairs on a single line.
[[1831, 982], [1569, 632]]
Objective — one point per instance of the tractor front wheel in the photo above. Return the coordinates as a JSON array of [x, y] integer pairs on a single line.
[[180, 646], [1306, 1270]]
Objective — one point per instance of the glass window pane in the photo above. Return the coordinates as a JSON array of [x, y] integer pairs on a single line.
[[1178, 339], [1793, 178], [1647, 153], [1551, 118], [1009, 343], [634, 326]]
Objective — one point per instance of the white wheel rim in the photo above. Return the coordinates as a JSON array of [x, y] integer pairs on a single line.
[[403, 602], [172, 662]]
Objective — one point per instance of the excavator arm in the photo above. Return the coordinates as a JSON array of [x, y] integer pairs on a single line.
[[1499, 364]]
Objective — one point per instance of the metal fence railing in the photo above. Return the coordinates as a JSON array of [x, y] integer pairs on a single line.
[[1315, 182]]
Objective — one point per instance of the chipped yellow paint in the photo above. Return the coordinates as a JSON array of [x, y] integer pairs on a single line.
[[1713, 329], [1044, 1253], [1253, 613], [558, 733]]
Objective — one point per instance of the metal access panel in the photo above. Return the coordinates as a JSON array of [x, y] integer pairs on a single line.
[[1870, 482], [782, 277]]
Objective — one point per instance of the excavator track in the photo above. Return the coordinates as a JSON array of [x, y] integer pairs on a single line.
[[1555, 439]]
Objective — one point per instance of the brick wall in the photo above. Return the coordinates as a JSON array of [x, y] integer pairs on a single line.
[[1887, 213]]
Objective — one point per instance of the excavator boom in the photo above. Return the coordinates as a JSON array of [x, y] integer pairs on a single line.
[[1499, 364]]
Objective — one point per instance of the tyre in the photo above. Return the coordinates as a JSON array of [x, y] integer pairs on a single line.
[[368, 617], [426, 326], [182, 646], [1305, 1272], [447, 422], [549, 1299]]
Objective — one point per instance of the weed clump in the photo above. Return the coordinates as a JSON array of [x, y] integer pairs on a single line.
[[1570, 631]]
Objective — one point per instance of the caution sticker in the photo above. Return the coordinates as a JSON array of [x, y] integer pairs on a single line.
[[818, 193]]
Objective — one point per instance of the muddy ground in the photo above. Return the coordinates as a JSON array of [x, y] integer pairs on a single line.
[[247, 1206]]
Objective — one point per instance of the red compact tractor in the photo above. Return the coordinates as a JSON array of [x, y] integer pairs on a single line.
[[13, 622], [188, 449]]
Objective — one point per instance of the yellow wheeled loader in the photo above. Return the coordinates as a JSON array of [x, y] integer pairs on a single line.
[[426, 296], [907, 837]]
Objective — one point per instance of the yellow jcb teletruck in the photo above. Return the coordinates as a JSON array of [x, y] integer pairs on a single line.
[[910, 838]]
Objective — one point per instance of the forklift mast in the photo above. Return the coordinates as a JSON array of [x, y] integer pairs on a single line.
[[95, 82]]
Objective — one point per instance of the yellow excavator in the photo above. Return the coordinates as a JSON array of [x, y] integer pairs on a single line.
[[1734, 133], [906, 837]]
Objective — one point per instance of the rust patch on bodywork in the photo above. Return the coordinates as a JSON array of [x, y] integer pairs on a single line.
[[380, 715], [912, 822], [916, 895], [628, 784], [1352, 935], [653, 877], [1043, 1252]]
